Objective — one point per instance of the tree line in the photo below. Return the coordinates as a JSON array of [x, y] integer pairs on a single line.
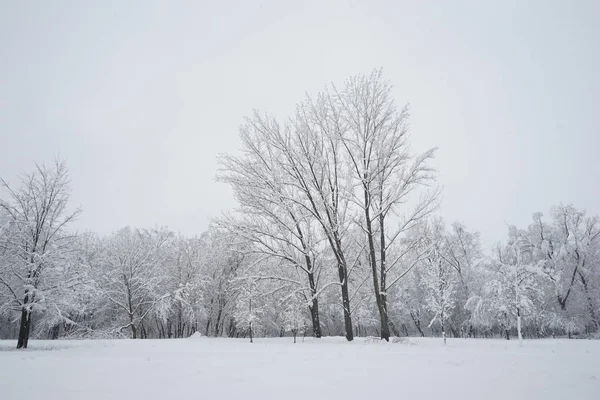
[[335, 233]]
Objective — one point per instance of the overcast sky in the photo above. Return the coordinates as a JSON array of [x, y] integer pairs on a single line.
[[140, 97]]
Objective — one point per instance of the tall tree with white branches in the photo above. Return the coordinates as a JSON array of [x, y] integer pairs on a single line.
[[374, 133], [34, 251]]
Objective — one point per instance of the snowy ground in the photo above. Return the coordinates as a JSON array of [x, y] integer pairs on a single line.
[[277, 369]]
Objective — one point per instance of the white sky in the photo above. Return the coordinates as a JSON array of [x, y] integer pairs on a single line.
[[140, 97]]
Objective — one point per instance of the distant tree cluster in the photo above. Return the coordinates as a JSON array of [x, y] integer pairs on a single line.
[[335, 234]]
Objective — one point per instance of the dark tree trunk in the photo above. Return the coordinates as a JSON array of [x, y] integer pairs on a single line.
[[417, 323], [314, 316], [232, 330], [250, 313], [314, 308], [405, 329], [589, 301], [24, 325], [207, 331], [383, 311], [393, 328], [454, 331], [54, 332], [507, 334], [218, 320], [343, 275], [383, 317], [380, 298], [336, 245]]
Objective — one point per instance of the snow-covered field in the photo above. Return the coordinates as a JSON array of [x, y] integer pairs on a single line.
[[330, 368]]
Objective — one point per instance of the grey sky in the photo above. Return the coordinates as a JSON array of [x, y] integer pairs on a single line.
[[140, 97]]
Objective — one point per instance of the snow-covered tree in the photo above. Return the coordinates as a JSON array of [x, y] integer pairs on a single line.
[[374, 135], [568, 249], [294, 317], [223, 261], [438, 278], [271, 223], [462, 251], [247, 309], [131, 275], [179, 314], [36, 248], [512, 290]]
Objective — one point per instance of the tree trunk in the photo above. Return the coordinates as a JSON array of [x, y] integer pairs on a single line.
[[454, 331], [404, 329], [589, 301], [443, 329], [383, 318], [393, 328], [160, 329], [314, 308], [54, 332], [250, 313], [379, 296], [207, 330], [519, 333], [506, 334], [24, 325], [343, 275], [383, 311], [218, 320], [417, 323]]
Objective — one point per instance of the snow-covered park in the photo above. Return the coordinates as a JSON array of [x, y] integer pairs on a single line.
[[328, 368]]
